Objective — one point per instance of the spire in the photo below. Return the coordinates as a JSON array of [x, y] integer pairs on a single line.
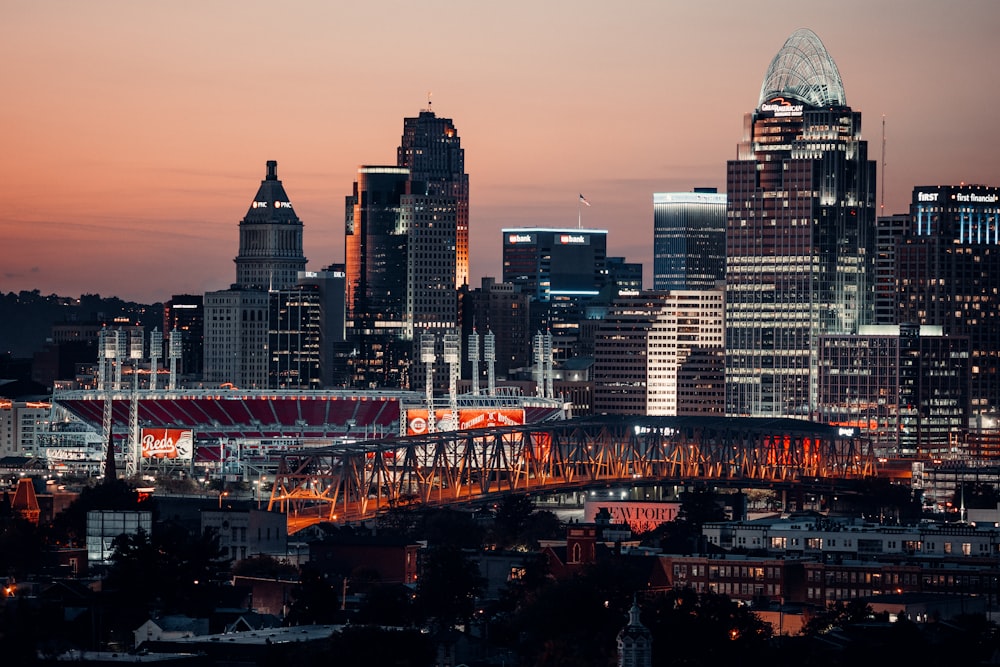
[[110, 471]]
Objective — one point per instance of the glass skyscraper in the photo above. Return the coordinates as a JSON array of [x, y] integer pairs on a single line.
[[947, 267], [799, 233], [406, 250], [689, 239]]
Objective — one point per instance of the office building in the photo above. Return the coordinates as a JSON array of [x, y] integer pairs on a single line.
[[948, 274], [551, 264], [236, 338], [184, 316], [906, 387], [406, 252], [432, 150], [294, 338], [689, 239], [661, 353], [799, 234], [270, 254], [502, 310]]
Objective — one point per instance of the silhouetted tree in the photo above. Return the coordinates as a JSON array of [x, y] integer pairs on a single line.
[[316, 599], [448, 585]]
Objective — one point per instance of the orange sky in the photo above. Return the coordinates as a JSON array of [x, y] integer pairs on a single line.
[[135, 134]]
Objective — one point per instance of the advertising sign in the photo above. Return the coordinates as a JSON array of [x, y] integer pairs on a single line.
[[640, 516], [416, 419], [167, 443]]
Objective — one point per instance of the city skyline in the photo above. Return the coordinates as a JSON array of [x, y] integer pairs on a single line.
[[136, 133]]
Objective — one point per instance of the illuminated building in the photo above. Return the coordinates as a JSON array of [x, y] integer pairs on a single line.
[[660, 353], [503, 310], [689, 239], [236, 338], [406, 251], [799, 235], [906, 386], [948, 274], [270, 238], [562, 270], [294, 338], [550, 264], [185, 313], [432, 150]]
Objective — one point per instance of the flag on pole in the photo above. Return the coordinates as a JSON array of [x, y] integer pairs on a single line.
[[583, 200]]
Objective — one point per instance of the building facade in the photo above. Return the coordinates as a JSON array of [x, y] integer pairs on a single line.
[[907, 386], [948, 274], [689, 239], [800, 225], [270, 255], [184, 316], [406, 252], [660, 353]]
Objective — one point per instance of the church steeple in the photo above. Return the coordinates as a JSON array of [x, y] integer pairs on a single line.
[[635, 641]]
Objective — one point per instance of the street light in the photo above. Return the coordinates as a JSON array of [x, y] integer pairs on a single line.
[[221, 495]]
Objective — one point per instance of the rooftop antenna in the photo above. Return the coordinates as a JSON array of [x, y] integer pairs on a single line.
[[882, 203], [429, 93]]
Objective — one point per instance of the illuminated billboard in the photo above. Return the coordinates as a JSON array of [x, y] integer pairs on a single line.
[[167, 443], [416, 419], [640, 516]]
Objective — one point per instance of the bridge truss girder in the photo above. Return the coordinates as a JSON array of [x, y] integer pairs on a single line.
[[358, 481]]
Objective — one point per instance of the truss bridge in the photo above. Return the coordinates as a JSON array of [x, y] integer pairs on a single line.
[[357, 481]]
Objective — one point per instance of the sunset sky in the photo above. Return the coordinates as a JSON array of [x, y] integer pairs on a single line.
[[135, 134]]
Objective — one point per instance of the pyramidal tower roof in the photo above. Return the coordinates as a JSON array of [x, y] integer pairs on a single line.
[[803, 70], [271, 205]]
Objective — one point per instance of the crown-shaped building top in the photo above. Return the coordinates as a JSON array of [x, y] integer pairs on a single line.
[[803, 70]]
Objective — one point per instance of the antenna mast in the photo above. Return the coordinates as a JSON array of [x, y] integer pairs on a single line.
[[882, 203]]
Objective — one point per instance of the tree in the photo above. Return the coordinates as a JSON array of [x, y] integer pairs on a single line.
[[314, 599], [511, 517], [837, 615], [448, 585]]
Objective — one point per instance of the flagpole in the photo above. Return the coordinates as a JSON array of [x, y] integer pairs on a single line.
[[579, 215]]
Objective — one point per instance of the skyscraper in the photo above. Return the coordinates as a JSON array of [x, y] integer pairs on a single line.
[[237, 320], [948, 274], [270, 238], [432, 150], [406, 250], [800, 233], [660, 353], [689, 239]]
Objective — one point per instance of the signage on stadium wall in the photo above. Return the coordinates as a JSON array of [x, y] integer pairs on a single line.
[[640, 517], [416, 419], [167, 443]]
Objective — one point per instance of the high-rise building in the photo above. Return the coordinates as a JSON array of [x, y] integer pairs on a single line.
[[406, 251], [236, 332], [799, 234], [549, 264], [184, 316], [661, 353], [500, 309], [270, 254], [889, 229], [948, 274], [562, 269], [689, 239], [236, 337], [432, 150], [906, 387], [294, 338]]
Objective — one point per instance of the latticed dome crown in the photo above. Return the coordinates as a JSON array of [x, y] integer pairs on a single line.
[[803, 70]]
